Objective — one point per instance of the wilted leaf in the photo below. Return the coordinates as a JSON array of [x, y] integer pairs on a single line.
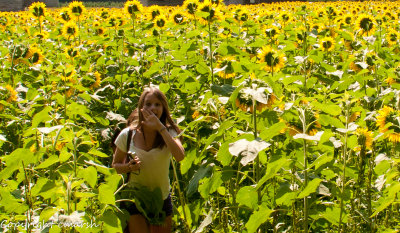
[[249, 149], [315, 137]]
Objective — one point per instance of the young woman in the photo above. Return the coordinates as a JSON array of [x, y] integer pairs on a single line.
[[153, 142]]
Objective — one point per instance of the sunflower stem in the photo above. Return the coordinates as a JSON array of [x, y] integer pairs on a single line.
[[211, 54]]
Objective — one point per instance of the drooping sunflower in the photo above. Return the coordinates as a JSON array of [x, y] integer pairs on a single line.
[[133, 7], [225, 64], [273, 60], [70, 30], [295, 126], [366, 24], [38, 9], [76, 9], [389, 119], [327, 44], [364, 139]]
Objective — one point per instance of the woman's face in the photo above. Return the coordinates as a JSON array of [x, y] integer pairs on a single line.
[[153, 104]]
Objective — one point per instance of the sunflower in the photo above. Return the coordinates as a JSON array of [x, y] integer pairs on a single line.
[[36, 56], [72, 52], [241, 15], [70, 29], [364, 139], [64, 14], [392, 37], [160, 21], [133, 7], [294, 126], [366, 24], [271, 31], [12, 94], [327, 44], [191, 6], [43, 35], [209, 12], [38, 9], [76, 9], [273, 60], [225, 64], [347, 19], [224, 32], [178, 17], [389, 119], [195, 115], [154, 11]]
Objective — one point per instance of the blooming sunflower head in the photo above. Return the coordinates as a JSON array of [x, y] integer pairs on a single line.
[[38, 9], [64, 14], [366, 24], [70, 30], [76, 9], [389, 119], [154, 11], [8, 93], [36, 55], [392, 37], [272, 60], [133, 7], [226, 68], [208, 12], [160, 21], [72, 52], [364, 138], [178, 17], [241, 15], [271, 31], [191, 6], [327, 44]]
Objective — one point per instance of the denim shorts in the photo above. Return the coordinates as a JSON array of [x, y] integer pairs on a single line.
[[132, 209]]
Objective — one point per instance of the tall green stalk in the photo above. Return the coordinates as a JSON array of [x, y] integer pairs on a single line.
[[343, 179]]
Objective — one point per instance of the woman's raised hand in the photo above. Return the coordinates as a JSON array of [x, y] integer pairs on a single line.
[[151, 120]]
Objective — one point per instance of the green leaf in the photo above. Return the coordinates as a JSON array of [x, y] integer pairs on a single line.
[[311, 187], [210, 184], [14, 161], [331, 109], [268, 134], [106, 195], [47, 213], [272, 169], [247, 196], [164, 87], [187, 162], [257, 218], [332, 214], [194, 182], [111, 222], [98, 153], [321, 160], [48, 162], [89, 174], [384, 204], [223, 154], [328, 120], [41, 116]]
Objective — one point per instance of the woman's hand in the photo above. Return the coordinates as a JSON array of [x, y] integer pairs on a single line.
[[134, 164], [151, 120]]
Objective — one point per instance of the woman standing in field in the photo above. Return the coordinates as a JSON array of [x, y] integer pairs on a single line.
[[153, 142]]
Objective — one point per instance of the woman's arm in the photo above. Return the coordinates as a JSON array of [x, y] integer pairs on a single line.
[[174, 145], [120, 166]]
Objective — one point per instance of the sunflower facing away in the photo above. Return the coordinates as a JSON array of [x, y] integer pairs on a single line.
[[273, 60], [389, 119]]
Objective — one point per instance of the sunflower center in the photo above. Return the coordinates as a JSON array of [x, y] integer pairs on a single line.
[[366, 24], [327, 44], [270, 59]]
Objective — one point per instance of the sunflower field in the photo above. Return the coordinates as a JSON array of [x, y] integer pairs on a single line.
[[290, 114]]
